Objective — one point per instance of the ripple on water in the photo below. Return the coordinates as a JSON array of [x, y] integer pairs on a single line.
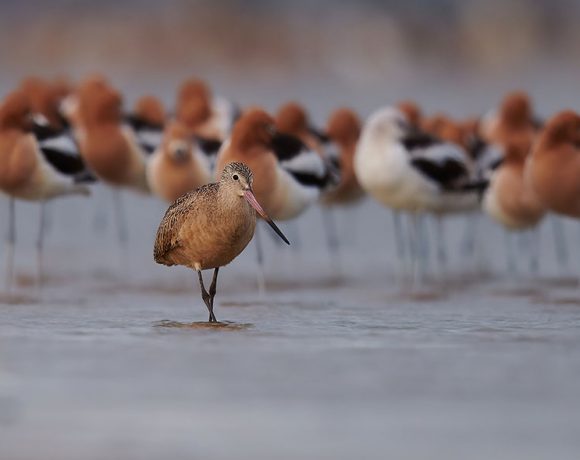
[[204, 325]]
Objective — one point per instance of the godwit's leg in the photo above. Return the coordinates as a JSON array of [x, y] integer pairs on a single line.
[[212, 292], [206, 297], [10, 243], [560, 244], [40, 244], [261, 278], [331, 233]]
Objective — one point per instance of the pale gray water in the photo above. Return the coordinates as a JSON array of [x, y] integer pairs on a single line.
[[322, 367], [334, 363]]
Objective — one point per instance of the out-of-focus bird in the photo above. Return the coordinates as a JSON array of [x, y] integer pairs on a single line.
[[177, 166]]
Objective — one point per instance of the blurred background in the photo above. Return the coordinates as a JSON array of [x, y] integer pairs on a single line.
[[334, 363], [453, 54]]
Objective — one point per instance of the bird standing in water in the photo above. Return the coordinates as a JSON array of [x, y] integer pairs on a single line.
[[209, 227]]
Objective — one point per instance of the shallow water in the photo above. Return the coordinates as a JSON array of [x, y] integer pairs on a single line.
[[335, 361]]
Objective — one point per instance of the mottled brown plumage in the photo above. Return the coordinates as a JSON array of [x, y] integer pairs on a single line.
[[209, 227]]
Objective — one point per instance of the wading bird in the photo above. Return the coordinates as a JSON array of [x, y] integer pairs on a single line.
[[209, 227]]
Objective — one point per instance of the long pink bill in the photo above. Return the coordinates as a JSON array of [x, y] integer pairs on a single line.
[[250, 198]]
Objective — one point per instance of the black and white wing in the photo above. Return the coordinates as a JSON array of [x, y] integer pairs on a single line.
[[149, 135], [442, 162], [305, 165], [62, 154], [210, 147], [487, 157]]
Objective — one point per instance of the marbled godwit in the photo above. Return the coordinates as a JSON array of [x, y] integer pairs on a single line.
[[407, 170], [29, 171], [177, 166], [209, 227]]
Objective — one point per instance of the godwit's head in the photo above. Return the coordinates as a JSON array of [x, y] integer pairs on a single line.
[[292, 119], [516, 110], [563, 128], [255, 128], [15, 111], [150, 109], [177, 143], [344, 126], [388, 124], [411, 111], [238, 178]]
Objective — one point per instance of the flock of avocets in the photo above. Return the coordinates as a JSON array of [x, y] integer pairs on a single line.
[[56, 138]]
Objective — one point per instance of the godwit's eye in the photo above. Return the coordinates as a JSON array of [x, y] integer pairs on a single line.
[[235, 177]]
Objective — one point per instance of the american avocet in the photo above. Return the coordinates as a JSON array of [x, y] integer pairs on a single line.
[[289, 176], [45, 98], [109, 148], [147, 121], [408, 170], [513, 119], [411, 111], [211, 117], [343, 131], [510, 201], [292, 119], [208, 228], [177, 166], [514, 125], [553, 168], [28, 171]]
